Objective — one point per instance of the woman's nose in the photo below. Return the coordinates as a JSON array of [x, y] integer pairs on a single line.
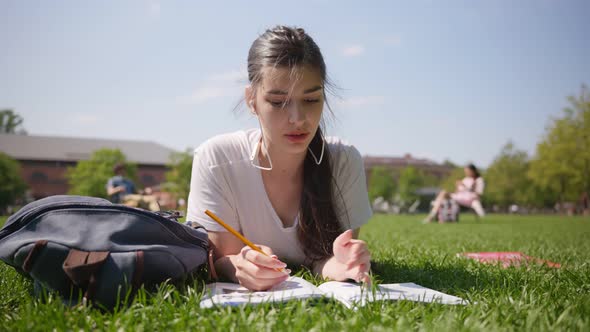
[[296, 113]]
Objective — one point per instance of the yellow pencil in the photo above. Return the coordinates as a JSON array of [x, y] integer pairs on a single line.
[[238, 235]]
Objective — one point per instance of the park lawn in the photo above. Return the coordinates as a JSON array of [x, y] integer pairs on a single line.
[[535, 298]]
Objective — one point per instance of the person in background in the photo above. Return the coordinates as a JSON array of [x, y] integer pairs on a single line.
[[468, 192], [121, 190]]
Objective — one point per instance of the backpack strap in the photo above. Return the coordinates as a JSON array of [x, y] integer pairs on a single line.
[[32, 255], [212, 273], [211, 262], [138, 273], [82, 266]]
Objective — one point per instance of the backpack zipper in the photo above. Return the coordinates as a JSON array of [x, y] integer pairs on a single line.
[[23, 219], [173, 226]]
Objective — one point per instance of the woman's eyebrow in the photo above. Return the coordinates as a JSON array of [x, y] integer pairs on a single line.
[[314, 89], [282, 93], [277, 92]]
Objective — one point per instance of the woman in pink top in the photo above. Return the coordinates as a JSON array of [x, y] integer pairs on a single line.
[[297, 194], [467, 193]]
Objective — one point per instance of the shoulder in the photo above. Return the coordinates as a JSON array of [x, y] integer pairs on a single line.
[[342, 150], [113, 179], [226, 148], [345, 157], [348, 173]]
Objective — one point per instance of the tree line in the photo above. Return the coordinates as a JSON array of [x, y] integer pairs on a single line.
[[558, 171]]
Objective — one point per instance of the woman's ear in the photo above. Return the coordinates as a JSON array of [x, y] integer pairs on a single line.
[[250, 99]]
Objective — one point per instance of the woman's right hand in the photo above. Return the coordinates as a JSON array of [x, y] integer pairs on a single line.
[[256, 271]]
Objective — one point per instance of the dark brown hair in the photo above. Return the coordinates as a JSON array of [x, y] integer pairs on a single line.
[[292, 48], [474, 170], [118, 168]]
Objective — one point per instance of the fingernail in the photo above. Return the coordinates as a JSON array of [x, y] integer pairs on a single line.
[[274, 256]]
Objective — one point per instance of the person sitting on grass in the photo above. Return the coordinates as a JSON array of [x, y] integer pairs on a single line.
[[467, 193], [121, 190], [299, 195]]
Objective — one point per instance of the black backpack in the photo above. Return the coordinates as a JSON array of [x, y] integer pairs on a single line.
[[448, 211], [84, 245]]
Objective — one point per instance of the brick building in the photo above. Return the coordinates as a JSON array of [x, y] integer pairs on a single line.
[[44, 159], [397, 164]]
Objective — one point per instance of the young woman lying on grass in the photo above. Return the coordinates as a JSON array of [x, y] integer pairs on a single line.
[[299, 195]]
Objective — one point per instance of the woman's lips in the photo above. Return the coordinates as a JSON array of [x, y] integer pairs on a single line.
[[297, 138]]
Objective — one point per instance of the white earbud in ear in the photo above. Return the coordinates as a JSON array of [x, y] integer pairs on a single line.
[[252, 110]]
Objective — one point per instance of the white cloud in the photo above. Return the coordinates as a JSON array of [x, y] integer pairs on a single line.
[[393, 40], [234, 76], [206, 93], [215, 86], [361, 101], [353, 50], [155, 9], [84, 119]]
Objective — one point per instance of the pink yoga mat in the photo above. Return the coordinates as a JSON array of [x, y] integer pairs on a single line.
[[507, 258]]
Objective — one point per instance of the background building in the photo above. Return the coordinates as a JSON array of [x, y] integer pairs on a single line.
[[397, 164], [45, 159]]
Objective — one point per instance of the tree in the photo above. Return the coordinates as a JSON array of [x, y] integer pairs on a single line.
[[562, 160], [12, 186], [580, 107], [450, 181], [10, 122], [89, 177], [381, 183], [410, 180], [506, 178], [449, 163], [178, 177]]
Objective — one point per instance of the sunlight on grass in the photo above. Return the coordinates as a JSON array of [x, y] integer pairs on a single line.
[[533, 298]]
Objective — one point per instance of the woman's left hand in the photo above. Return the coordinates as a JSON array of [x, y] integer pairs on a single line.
[[353, 255]]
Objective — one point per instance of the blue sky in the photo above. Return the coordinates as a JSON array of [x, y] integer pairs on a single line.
[[438, 79]]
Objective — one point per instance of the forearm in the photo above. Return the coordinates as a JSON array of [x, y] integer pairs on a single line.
[[351, 259], [114, 190], [331, 269], [226, 268]]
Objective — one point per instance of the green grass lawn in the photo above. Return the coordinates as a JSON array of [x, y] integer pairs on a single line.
[[532, 299]]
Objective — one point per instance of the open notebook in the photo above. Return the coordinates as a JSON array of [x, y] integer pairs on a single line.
[[350, 294]]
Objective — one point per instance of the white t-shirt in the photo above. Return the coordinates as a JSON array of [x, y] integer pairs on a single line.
[[225, 182], [469, 191], [468, 185]]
